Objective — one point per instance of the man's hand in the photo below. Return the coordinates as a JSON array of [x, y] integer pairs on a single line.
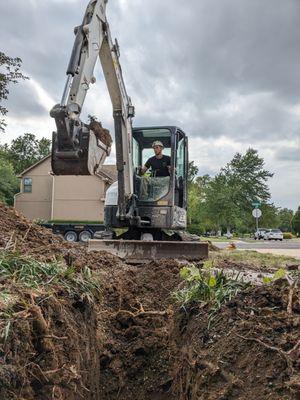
[[142, 170]]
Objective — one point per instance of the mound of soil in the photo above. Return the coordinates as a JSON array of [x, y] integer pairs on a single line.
[[251, 351], [51, 350], [49, 346], [135, 342], [18, 234]]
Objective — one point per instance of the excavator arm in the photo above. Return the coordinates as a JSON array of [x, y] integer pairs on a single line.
[[79, 148]]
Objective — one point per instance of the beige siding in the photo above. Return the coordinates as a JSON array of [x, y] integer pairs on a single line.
[[78, 198], [62, 197], [37, 204]]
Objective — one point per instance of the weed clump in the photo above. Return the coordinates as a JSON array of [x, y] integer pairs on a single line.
[[207, 288]]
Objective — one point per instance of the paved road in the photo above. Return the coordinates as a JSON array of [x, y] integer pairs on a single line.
[[286, 247]]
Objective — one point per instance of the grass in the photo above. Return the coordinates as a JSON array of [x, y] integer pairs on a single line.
[[254, 258], [66, 222], [215, 239], [29, 273]]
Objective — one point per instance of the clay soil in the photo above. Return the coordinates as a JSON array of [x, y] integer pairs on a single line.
[[134, 342]]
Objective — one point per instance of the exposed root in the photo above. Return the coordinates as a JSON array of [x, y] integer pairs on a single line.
[[289, 308], [287, 356]]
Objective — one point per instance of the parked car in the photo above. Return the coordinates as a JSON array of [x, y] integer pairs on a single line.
[[273, 234], [259, 234]]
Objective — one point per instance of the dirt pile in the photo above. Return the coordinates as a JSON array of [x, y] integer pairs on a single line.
[[251, 351], [50, 351], [22, 235], [48, 336]]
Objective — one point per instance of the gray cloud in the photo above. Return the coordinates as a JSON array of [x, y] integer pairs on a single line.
[[289, 154], [25, 103]]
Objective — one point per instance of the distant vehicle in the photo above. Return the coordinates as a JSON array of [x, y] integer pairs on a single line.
[[259, 234], [273, 234]]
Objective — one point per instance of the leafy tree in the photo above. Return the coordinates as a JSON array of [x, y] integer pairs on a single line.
[[192, 172], [285, 216], [269, 218], [9, 183], [296, 221], [9, 73], [25, 150], [230, 194], [197, 199]]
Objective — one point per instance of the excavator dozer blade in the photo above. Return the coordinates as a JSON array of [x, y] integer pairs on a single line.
[[138, 251]]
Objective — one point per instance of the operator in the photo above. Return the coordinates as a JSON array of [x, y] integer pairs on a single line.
[[160, 164]]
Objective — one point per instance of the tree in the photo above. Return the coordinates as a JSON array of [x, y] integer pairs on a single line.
[[196, 199], [285, 216], [25, 150], [9, 183], [11, 73], [296, 221], [230, 194], [192, 172]]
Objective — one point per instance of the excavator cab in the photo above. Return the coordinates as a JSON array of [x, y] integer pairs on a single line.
[[160, 200]]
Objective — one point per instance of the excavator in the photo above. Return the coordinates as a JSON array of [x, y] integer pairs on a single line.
[[149, 211]]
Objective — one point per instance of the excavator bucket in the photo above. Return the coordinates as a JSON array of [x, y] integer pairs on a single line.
[[138, 251], [94, 145]]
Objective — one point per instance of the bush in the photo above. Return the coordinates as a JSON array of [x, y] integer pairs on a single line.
[[195, 229], [288, 235]]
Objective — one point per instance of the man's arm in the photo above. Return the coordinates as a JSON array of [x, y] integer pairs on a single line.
[[145, 167]]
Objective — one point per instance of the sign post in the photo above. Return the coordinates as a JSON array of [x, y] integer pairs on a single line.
[[256, 212]]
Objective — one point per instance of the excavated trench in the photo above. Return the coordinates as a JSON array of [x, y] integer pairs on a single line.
[[133, 342]]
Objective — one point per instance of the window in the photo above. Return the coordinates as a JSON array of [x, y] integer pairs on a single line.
[[135, 153], [147, 153], [27, 185], [180, 158]]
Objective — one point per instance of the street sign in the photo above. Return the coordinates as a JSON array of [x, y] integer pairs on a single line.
[[256, 213], [256, 204]]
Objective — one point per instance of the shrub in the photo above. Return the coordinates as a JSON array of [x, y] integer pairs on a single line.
[[288, 235], [195, 229]]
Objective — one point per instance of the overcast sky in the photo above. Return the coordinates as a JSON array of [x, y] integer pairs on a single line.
[[225, 71]]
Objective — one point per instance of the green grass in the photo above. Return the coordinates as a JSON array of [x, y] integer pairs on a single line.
[[253, 257], [62, 221], [29, 273], [215, 239]]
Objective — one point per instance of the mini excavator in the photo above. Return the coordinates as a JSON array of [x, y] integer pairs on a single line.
[[151, 210]]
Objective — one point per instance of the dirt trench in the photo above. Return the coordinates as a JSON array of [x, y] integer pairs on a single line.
[[134, 342]]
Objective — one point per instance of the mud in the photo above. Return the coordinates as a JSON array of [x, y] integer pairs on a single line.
[[135, 342]]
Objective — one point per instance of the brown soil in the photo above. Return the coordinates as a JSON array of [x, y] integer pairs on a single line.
[[135, 343]]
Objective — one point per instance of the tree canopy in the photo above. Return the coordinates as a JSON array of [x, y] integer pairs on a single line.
[[9, 73], [296, 221], [225, 200], [9, 183], [24, 151]]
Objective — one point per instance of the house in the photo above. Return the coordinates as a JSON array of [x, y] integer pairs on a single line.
[[65, 198]]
